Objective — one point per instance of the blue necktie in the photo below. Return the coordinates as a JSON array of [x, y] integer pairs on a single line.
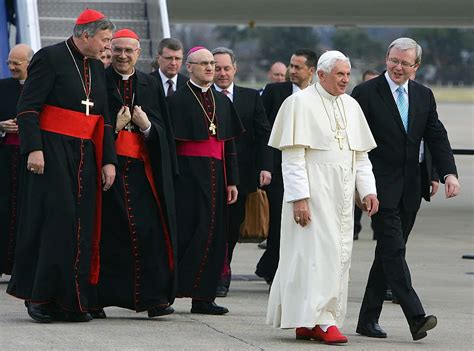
[[402, 104]]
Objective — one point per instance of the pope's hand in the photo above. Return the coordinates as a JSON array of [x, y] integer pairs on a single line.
[[123, 118], [301, 213]]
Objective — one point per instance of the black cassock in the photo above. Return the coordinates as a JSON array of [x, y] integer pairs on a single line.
[[201, 200], [10, 90], [138, 256], [57, 210]]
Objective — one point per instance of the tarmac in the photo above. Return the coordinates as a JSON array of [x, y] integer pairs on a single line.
[[443, 280]]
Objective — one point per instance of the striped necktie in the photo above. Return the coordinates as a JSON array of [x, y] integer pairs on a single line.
[[170, 88], [402, 104]]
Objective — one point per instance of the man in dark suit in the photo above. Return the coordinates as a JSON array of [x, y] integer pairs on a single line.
[[169, 59], [302, 68], [253, 154], [400, 112]]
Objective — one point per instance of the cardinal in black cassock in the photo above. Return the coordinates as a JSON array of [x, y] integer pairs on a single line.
[[63, 125], [205, 124], [137, 249]]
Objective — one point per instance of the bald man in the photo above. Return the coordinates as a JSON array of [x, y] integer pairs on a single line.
[[10, 90], [205, 125], [276, 73]]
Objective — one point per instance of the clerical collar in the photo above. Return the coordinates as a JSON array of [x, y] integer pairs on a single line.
[[324, 93], [203, 89], [22, 81], [230, 88], [75, 50], [125, 76], [164, 78], [393, 86]]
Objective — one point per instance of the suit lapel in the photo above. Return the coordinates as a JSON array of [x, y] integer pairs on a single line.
[[412, 96], [387, 97]]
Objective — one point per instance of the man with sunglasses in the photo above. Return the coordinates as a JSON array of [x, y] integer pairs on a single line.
[[169, 59], [205, 125], [400, 112], [10, 89]]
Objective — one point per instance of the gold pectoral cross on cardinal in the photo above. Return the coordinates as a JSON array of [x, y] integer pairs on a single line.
[[88, 104], [212, 128], [339, 138]]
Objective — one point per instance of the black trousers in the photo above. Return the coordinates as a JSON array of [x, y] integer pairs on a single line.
[[393, 227], [268, 264]]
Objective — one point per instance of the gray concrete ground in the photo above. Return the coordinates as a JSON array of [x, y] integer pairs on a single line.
[[443, 280]]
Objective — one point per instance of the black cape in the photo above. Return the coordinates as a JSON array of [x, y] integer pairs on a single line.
[[56, 216], [135, 258], [10, 90], [201, 193]]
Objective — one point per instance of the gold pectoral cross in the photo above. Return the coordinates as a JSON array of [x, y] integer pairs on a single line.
[[88, 104], [339, 137], [212, 128]]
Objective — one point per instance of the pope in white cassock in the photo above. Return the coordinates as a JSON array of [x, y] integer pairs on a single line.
[[324, 139]]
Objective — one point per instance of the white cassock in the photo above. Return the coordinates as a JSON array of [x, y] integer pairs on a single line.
[[310, 285]]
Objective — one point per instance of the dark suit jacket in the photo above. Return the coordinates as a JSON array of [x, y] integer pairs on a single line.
[[10, 90], [253, 153], [182, 79], [395, 160], [273, 96]]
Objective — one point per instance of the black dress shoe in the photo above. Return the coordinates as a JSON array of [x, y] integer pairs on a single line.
[[388, 295], [160, 311], [98, 314], [221, 291], [74, 317], [39, 312], [420, 326], [372, 330], [207, 307]]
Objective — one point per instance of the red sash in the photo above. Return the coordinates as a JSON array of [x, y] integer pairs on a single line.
[[11, 139], [77, 124], [203, 148], [133, 145]]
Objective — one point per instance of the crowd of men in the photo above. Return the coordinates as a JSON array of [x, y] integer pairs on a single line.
[[128, 189]]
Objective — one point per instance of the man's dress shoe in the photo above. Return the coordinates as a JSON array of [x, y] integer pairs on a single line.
[[74, 317], [420, 326], [160, 311], [372, 330], [98, 314], [221, 291], [39, 312], [207, 307]]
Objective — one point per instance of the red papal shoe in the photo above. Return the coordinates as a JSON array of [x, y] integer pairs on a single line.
[[331, 336]]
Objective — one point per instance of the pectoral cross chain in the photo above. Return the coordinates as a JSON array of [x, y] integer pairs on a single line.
[[88, 104]]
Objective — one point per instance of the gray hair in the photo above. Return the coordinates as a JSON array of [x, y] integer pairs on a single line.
[[93, 27], [222, 51], [406, 44], [328, 65]]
